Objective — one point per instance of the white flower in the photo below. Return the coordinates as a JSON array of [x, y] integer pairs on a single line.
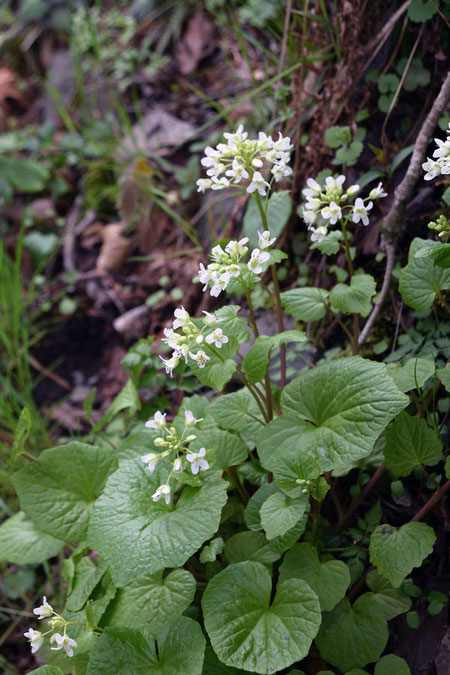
[[162, 491], [151, 460], [257, 163], [237, 248], [313, 204], [220, 283], [233, 270], [181, 318], [203, 184], [190, 420], [313, 190], [319, 233], [214, 171], [237, 171], [360, 211], [332, 212], [220, 183], [63, 642], [353, 189], [217, 337], [443, 149], [378, 192], [210, 319], [264, 239], [181, 352], [218, 254], [172, 339], [204, 275], [197, 461], [256, 259], [177, 466], [171, 363], [309, 217], [200, 357], [265, 142], [432, 168], [235, 138], [258, 183], [283, 144], [36, 639], [158, 421], [280, 171], [334, 183], [44, 611]]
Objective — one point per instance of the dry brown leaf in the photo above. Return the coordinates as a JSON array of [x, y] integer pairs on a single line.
[[114, 249], [197, 42]]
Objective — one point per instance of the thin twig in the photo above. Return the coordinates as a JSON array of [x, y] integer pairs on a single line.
[[390, 259]]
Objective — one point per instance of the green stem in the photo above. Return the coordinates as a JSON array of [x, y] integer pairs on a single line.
[[355, 336], [276, 287]]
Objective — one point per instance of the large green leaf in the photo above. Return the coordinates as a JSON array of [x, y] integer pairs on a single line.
[[87, 575], [356, 298], [395, 552], [353, 636], [282, 434], [21, 542], [138, 536], [409, 443], [414, 373], [391, 600], [59, 489], [237, 412], [150, 602], [256, 361], [342, 407], [422, 279], [179, 649], [249, 631], [280, 513], [305, 304], [328, 580], [278, 212]]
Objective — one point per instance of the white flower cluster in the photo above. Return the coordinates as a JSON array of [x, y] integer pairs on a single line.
[[174, 445], [226, 263], [240, 159], [324, 207], [191, 338], [441, 162], [36, 638]]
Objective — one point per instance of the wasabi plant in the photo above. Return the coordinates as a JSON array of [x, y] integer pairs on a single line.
[[219, 535]]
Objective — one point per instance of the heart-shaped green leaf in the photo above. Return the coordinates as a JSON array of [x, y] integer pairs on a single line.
[[356, 298], [395, 552], [249, 631], [422, 279], [305, 304], [280, 513], [393, 601], [328, 580], [409, 443]]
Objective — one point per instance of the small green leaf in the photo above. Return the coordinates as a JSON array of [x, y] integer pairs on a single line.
[[421, 279], [278, 212], [305, 304], [409, 443], [138, 536], [249, 631], [413, 620], [21, 542], [349, 155], [210, 552], [86, 577], [356, 298], [256, 360], [290, 467], [220, 368], [280, 513], [124, 651], [353, 636], [420, 11], [40, 245], [330, 243], [59, 489], [414, 373], [24, 174], [336, 136], [152, 601], [328, 580], [393, 601], [395, 552], [249, 546], [126, 399], [388, 83], [390, 664], [21, 434]]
